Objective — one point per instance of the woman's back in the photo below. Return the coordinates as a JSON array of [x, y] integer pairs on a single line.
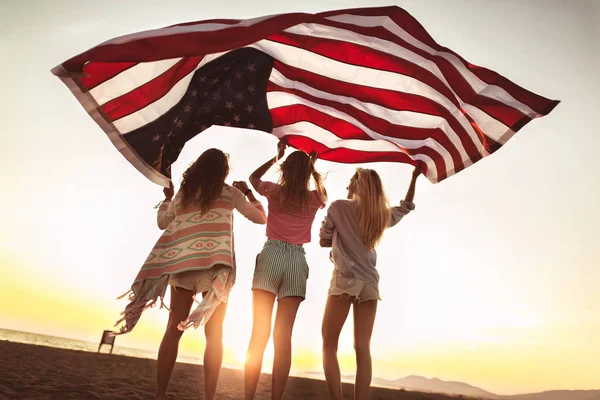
[[349, 253], [196, 239], [220, 210], [224, 201], [197, 242], [289, 224]]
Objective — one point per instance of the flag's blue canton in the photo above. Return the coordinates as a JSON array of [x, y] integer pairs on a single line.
[[230, 91]]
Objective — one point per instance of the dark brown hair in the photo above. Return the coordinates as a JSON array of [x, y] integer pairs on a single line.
[[203, 181]]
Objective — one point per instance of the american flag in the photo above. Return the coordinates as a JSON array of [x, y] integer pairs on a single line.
[[357, 85]]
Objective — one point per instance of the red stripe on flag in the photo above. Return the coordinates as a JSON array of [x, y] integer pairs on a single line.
[[100, 72], [289, 115], [150, 91], [187, 44], [349, 156], [354, 54], [376, 124], [494, 108], [208, 21], [397, 14], [403, 19], [386, 98]]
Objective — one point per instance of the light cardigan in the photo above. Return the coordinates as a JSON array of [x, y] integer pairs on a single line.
[[192, 241], [349, 254]]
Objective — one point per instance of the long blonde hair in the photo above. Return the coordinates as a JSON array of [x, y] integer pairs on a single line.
[[372, 206], [294, 181]]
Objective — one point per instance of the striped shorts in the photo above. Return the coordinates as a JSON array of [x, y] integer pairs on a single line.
[[281, 269]]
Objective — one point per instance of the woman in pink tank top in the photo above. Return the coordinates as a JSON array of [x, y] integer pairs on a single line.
[[281, 270]]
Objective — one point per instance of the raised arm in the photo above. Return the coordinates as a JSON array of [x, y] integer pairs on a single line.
[[166, 211], [406, 205], [245, 202], [326, 231], [260, 171], [321, 191], [410, 194]]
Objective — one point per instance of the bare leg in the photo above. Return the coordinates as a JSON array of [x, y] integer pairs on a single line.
[[181, 303], [287, 308], [336, 312], [262, 310], [213, 354], [364, 319]]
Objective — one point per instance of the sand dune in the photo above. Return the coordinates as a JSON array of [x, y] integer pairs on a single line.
[[37, 372]]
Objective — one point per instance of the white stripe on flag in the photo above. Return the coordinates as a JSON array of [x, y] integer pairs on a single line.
[[493, 91], [328, 32], [130, 79], [491, 127], [154, 110], [283, 99], [320, 135], [315, 63], [403, 118]]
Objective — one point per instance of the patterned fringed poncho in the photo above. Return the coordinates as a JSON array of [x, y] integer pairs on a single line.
[[192, 241]]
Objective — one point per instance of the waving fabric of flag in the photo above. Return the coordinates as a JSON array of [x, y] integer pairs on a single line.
[[356, 86]]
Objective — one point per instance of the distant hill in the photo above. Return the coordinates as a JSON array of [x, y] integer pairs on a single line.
[[558, 395], [435, 385], [414, 382]]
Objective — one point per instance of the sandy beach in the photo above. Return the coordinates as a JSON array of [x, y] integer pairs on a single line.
[[38, 372]]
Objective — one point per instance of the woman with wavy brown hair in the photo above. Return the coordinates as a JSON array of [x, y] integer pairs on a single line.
[[353, 228], [194, 255], [281, 270]]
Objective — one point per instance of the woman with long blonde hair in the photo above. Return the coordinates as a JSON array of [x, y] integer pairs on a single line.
[[281, 269], [353, 228]]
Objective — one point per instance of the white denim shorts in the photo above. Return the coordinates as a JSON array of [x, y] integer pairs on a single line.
[[359, 289], [196, 281]]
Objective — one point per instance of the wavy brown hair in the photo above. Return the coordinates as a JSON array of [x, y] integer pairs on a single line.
[[294, 181], [203, 181], [372, 206]]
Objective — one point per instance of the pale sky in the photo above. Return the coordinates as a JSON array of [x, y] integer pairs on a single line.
[[493, 280]]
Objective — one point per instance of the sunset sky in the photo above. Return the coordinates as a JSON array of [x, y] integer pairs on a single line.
[[493, 280]]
